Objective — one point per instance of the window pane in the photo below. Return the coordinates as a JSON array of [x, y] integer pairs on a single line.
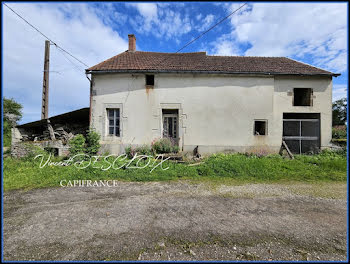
[[111, 122], [291, 128], [310, 129], [111, 132], [110, 113], [117, 131]]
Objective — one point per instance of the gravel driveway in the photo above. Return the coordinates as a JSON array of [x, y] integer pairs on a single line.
[[175, 221]]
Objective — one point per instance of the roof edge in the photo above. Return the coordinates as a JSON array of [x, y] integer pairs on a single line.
[[209, 72]]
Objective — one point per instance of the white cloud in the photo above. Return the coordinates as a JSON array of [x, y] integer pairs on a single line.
[[317, 30], [160, 20], [147, 10], [78, 29], [207, 21], [149, 13], [224, 46], [339, 91]]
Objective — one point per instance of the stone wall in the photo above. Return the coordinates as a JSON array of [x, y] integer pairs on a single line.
[[23, 149]]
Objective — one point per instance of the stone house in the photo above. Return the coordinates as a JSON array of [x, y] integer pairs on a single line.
[[218, 103]]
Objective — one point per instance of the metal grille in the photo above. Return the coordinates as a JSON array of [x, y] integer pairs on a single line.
[[302, 135]]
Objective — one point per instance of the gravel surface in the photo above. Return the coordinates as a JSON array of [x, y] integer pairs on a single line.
[[177, 221]]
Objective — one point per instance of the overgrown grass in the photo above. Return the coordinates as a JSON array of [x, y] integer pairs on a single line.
[[238, 168]]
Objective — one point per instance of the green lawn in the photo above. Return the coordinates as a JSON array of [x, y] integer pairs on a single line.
[[237, 168]]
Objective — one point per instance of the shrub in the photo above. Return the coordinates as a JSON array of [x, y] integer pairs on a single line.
[[339, 132], [163, 145], [33, 150], [77, 145], [176, 149], [129, 151], [92, 142], [142, 150]]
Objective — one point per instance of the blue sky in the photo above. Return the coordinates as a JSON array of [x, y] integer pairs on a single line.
[[315, 33]]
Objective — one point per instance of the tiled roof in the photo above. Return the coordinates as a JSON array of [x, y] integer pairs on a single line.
[[140, 61]]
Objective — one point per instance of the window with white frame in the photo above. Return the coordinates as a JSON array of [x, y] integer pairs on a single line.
[[113, 115]]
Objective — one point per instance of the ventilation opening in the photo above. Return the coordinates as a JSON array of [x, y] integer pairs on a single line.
[[260, 127], [302, 97], [150, 80], [53, 151]]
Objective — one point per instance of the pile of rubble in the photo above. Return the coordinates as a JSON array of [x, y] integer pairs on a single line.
[[56, 132]]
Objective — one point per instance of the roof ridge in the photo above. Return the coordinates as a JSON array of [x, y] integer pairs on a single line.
[[195, 52], [239, 56]]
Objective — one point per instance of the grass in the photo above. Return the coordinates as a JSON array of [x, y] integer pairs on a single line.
[[234, 168]]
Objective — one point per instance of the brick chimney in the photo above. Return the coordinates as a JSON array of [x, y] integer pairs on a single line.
[[132, 42]]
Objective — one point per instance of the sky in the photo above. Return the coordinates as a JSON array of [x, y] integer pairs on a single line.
[[314, 33]]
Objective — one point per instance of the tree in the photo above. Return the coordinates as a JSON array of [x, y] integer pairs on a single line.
[[12, 110], [12, 113], [339, 112]]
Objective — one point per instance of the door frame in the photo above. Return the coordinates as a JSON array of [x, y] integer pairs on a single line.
[[166, 115]]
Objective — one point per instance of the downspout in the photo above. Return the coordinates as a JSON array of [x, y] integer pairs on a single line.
[[90, 110]]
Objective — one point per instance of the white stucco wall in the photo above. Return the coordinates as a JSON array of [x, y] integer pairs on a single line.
[[216, 112], [322, 102]]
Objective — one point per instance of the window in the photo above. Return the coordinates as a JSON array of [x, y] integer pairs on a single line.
[[260, 127], [113, 122], [150, 80], [302, 97]]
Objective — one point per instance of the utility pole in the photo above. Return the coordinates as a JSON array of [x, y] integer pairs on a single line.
[[45, 99]]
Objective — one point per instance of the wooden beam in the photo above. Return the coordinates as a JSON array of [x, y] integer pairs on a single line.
[[284, 144]]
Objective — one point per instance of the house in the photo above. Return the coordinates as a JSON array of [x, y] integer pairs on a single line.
[[218, 103]]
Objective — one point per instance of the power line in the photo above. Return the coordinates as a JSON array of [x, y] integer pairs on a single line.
[[205, 32], [45, 36], [76, 67]]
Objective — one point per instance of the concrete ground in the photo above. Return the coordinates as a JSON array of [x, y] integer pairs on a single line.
[[177, 221]]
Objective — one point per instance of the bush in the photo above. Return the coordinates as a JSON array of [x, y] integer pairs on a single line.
[[92, 142], [33, 150], [77, 145], [176, 149], [164, 145], [81, 145], [142, 150], [339, 132], [129, 151]]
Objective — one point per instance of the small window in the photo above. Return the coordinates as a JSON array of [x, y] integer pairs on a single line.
[[150, 80], [113, 121], [302, 97], [260, 127]]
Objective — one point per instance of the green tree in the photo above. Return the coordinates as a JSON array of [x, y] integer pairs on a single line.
[[12, 113], [339, 112]]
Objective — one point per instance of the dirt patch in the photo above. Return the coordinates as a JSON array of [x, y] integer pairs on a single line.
[[176, 221]]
